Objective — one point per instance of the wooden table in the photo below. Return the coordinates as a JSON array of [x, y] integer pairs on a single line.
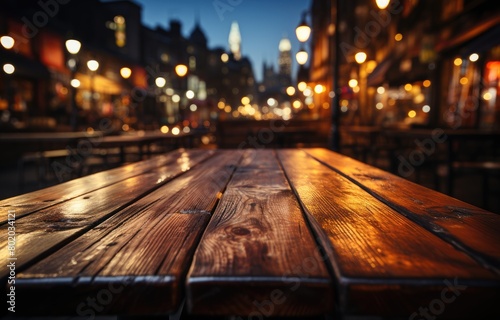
[[43, 141], [144, 139], [251, 234], [362, 139], [427, 142]]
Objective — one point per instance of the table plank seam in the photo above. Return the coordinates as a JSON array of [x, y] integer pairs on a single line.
[[220, 168], [122, 222], [352, 271], [320, 238], [51, 204], [76, 235], [259, 233], [183, 277], [216, 272], [162, 163], [484, 260], [219, 197]]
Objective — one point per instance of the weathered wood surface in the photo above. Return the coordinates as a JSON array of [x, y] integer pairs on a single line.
[[254, 233], [30, 202], [142, 252], [467, 227], [384, 263], [48, 229], [258, 240]]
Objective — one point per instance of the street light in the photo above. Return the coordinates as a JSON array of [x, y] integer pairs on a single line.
[[125, 72], [160, 82], [360, 57], [382, 4], [303, 31], [7, 42], [302, 57], [9, 68], [75, 83], [73, 47], [181, 70], [93, 65]]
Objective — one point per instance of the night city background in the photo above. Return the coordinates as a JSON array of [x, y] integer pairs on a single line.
[[220, 71], [250, 159]]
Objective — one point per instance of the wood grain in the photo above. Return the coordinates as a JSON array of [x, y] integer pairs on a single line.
[[384, 264], [45, 231], [257, 255], [262, 233], [30, 202], [470, 229], [145, 249]]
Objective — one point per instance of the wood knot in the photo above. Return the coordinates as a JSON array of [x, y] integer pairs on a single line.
[[239, 231]]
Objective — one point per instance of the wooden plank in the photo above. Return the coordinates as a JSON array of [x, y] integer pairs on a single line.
[[142, 252], [30, 202], [470, 229], [384, 264], [43, 232], [257, 257]]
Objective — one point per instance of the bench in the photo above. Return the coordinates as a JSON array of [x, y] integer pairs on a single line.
[[486, 169], [250, 233], [275, 133], [40, 161]]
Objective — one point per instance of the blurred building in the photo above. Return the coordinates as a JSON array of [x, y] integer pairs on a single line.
[[275, 82], [285, 62], [39, 94], [49, 87], [427, 63]]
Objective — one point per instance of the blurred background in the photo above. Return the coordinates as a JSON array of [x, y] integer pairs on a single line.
[[409, 86]]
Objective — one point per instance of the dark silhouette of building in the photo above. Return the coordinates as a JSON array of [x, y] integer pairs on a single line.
[[131, 58], [428, 63]]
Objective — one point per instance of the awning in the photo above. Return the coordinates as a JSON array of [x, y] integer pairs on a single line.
[[483, 43], [25, 67], [417, 71], [379, 74], [390, 71], [464, 36], [99, 84]]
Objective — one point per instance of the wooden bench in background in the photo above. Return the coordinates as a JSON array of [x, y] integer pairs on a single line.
[[275, 133], [253, 234]]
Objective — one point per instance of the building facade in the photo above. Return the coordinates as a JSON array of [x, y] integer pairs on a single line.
[[49, 86], [428, 63]]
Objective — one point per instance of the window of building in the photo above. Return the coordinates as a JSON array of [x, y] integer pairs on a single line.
[[451, 8], [490, 94], [462, 93], [192, 63], [165, 58], [120, 36]]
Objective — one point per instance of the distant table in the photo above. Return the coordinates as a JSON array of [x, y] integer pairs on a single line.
[[249, 233], [365, 138], [143, 140], [432, 138], [46, 141], [43, 141]]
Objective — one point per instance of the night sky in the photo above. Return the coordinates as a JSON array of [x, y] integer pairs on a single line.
[[262, 23]]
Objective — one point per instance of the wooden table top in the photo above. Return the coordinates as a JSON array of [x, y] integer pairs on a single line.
[[142, 138], [38, 137], [460, 133], [252, 233]]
